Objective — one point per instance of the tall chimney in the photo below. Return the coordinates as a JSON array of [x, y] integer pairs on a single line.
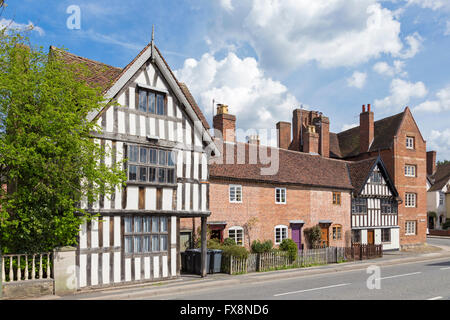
[[298, 117], [311, 140], [366, 129], [431, 162], [225, 123], [323, 129], [284, 134], [253, 139]]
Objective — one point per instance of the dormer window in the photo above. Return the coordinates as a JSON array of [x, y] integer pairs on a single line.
[[152, 102], [410, 143]]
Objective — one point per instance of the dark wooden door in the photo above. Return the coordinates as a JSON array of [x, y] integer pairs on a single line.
[[324, 237], [370, 237]]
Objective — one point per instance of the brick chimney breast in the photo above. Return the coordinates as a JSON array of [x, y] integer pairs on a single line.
[[366, 129], [431, 162], [284, 134], [225, 123]]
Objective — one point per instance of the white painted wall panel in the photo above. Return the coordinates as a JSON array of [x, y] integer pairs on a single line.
[[83, 269], [153, 127], [94, 233], [137, 268], [173, 231], [142, 126], [132, 198], [167, 199], [187, 202], [195, 197], [83, 236], [165, 267], [162, 132], [173, 259], [180, 132], [128, 269], [117, 267], [132, 124], [132, 98], [196, 163], [155, 267], [171, 130], [204, 196], [94, 269], [179, 196], [106, 242], [105, 268], [147, 268], [188, 164], [110, 119], [117, 232], [150, 198]]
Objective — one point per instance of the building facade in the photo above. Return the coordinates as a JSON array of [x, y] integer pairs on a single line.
[[438, 192], [161, 135]]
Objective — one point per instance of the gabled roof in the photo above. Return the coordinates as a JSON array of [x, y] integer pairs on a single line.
[[346, 144], [360, 172], [295, 168], [441, 177]]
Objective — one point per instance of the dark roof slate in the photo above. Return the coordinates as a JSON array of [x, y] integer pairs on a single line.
[[441, 177]]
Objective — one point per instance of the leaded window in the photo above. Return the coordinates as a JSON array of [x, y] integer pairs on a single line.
[[359, 205], [388, 206], [145, 234], [152, 102]]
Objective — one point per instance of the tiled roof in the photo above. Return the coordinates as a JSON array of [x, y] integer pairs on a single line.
[[346, 144], [359, 171], [441, 177], [104, 76], [294, 168]]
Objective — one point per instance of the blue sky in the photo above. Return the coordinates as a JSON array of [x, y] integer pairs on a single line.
[[266, 57]]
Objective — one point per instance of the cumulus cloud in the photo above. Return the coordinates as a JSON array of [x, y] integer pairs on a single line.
[[255, 99], [440, 141], [357, 80], [12, 25], [227, 5], [385, 69], [441, 103], [401, 94], [447, 29], [288, 33], [431, 4]]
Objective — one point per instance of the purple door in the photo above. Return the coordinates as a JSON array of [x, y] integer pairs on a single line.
[[297, 235]]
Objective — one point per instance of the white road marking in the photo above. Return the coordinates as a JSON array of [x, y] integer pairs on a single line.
[[445, 268], [300, 291], [435, 298], [401, 275]]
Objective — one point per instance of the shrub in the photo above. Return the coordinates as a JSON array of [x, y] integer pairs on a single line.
[[235, 251], [214, 244], [261, 247], [289, 246], [314, 235], [446, 225], [229, 242]]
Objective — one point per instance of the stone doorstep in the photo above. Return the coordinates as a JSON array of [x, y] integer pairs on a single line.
[[265, 276]]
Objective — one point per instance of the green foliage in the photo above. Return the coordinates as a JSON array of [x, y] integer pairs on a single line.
[[291, 247], [235, 251], [261, 247], [446, 225], [229, 242], [313, 235], [213, 244], [48, 156], [440, 163], [432, 214]]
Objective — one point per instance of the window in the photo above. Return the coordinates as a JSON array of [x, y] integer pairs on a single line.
[[145, 234], [409, 142], [388, 206], [410, 170], [410, 227], [376, 177], [280, 195], [356, 236], [385, 235], [148, 165], [237, 234], [235, 193], [359, 205], [337, 198], [280, 234], [441, 198], [410, 200], [152, 102], [337, 232]]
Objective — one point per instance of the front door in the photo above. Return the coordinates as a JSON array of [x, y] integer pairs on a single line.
[[324, 236], [297, 235], [370, 237]]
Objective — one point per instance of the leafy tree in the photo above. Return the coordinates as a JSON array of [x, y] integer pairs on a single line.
[[49, 159], [439, 163]]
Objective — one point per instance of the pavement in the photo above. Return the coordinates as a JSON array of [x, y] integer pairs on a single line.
[[438, 249]]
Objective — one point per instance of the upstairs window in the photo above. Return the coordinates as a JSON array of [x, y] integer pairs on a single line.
[[409, 142], [235, 193], [359, 205], [410, 200], [152, 102], [149, 165], [337, 198], [410, 170], [237, 234], [376, 177], [441, 198], [388, 206], [280, 195]]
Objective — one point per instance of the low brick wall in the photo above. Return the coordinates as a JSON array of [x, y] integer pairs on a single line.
[[442, 233], [27, 289]]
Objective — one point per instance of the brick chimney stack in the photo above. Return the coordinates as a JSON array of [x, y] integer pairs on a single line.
[[311, 140], [284, 134], [253, 139], [366, 129], [323, 129], [431, 162], [225, 123]]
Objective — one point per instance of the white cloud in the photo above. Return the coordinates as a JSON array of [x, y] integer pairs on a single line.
[[98, 37], [357, 80], [401, 93], [384, 68], [431, 4], [227, 5], [440, 141], [288, 33], [255, 99], [349, 126], [441, 103], [447, 30], [12, 25]]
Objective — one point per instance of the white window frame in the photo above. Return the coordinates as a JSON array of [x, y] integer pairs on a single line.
[[236, 186], [410, 170], [410, 143], [441, 198], [410, 200], [411, 228], [286, 235], [236, 229], [281, 193]]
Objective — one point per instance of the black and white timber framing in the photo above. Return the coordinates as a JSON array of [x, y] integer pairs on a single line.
[[102, 256]]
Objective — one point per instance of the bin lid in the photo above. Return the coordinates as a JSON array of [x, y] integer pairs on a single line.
[[216, 250]]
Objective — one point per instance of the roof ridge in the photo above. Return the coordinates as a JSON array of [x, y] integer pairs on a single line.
[[382, 119], [82, 58]]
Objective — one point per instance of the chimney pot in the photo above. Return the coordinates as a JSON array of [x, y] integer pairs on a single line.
[[368, 108], [364, 108]]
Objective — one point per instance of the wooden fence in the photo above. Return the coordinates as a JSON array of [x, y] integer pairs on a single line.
[[274, 260], [23, 267]]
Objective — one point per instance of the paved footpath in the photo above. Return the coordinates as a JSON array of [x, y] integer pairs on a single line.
[[194, 284]]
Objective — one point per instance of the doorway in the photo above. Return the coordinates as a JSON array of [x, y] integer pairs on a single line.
[[371, 236], [324, 236], [297, 235]]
